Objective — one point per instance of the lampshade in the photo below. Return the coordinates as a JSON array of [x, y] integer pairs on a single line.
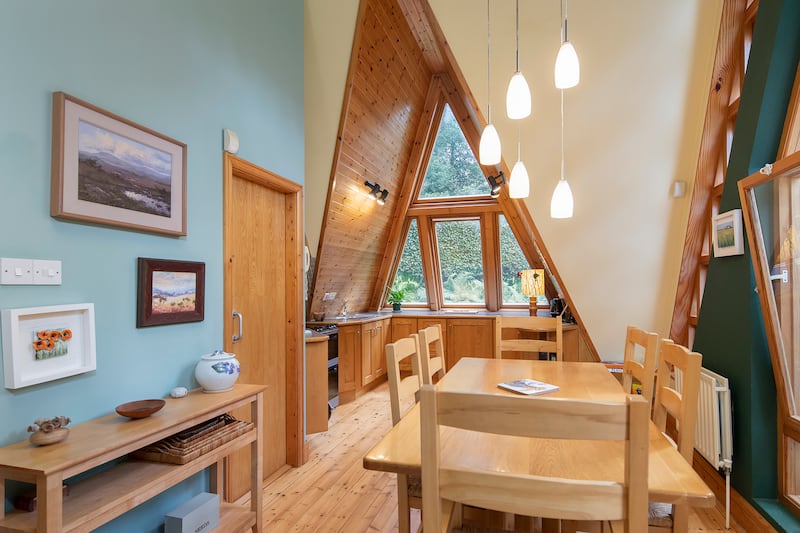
[[533, 282], [568, 69], [561, 205], [489, 152], [519, 186], [518, 97]]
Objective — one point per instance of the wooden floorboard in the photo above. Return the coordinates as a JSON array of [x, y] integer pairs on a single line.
[[332, 492]]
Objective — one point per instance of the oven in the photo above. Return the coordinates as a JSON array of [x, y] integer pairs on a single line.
[[332, 331]]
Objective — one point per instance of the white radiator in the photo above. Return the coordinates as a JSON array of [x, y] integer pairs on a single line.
[[713, 437]]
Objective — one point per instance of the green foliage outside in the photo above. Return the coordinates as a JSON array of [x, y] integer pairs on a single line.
[[409, 278], [512, 260], [452, 169], [460, 261]]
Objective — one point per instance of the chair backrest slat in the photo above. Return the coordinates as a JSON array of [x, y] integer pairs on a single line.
[[529, 324], [644, 371], [431, 353], [521, 492], [680, 405], [403, 390]]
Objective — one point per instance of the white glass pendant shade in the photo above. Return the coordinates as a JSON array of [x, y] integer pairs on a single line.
[[519, 185], [561, 205], [568, 69], [518, 97], [489, 152]]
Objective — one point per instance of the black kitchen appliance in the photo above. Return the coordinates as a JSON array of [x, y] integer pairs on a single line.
[[332, 331], [557, 306]]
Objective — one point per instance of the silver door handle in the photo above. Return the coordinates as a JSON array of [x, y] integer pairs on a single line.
[[238, 315]]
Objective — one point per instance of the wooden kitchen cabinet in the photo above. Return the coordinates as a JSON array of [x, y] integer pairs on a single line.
[[316, 384], [373, 358], [402, 327], [468, 337], [349, 361], [106, 494]]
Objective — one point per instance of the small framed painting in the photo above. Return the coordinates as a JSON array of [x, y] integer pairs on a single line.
[[46, 343], [169, 292], [727, 233], [109, 170]]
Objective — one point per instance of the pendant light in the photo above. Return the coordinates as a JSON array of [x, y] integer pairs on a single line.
[[489, 152], [519, 185], [518, 97], [568, 69], [561, 205]]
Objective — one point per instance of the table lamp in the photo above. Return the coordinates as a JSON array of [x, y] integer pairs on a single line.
[[533, 286]]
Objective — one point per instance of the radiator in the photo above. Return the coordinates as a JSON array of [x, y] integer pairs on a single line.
[[713, 437]]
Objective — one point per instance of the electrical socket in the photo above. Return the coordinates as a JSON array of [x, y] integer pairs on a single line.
[[46, 272], [329, 297]]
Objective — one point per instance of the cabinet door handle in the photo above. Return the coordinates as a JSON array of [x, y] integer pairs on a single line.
[[238, 315]]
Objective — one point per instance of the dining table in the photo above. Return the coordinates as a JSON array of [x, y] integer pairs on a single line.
[[670, 478]]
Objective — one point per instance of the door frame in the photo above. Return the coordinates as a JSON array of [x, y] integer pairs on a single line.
[[233, 166]]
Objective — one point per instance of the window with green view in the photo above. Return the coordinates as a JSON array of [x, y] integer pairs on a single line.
[[452, 167], [409, 277], [460, 261], [512, 261]]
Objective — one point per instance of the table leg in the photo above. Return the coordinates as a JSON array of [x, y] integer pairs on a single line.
[[49, 496], [680, 518]]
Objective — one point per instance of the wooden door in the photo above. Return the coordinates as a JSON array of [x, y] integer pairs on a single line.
[[263, 284], [469, 337], [369, 343], [402, 327], [424, 323]]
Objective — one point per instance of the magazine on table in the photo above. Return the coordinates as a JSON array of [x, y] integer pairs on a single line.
[[528, 386]]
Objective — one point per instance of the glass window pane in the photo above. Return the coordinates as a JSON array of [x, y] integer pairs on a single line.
[[409, 276], [512, 261], [460, 261], [452, 168]]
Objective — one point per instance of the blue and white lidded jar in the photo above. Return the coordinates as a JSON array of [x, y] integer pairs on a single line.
[[217, 371]]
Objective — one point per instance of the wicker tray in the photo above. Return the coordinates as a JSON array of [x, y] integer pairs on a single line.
[[195, 441]]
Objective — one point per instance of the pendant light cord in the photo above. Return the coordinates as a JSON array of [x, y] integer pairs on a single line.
[[517, 35], [489, 62], [564, 18], [562, 134]]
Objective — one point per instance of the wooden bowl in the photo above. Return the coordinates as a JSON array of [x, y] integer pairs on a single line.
[[140, 408]]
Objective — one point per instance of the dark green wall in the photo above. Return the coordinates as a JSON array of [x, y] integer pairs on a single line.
[[730, 330]]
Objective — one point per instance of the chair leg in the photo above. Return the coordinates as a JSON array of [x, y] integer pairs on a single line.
[[403, 516], [680, 518]]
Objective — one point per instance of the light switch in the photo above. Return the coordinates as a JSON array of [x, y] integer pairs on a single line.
[[46, 272], [16, 271]]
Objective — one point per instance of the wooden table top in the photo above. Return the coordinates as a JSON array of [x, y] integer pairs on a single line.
[[671, 479]]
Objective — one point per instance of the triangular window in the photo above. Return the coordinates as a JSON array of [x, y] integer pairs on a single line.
[[452, 170]]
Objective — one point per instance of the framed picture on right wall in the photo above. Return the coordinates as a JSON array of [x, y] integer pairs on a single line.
[[727, 233]]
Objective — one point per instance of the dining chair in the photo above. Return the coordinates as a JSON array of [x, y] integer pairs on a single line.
[[447, 486], [639, 341], [682, 406], [528, 324], [403, 393], [431, 353]]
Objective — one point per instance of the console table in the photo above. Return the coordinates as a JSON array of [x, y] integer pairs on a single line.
[[127, 482]]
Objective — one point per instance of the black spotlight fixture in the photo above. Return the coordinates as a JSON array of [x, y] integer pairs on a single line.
[[383, 196], [496, 183], [374, 189]]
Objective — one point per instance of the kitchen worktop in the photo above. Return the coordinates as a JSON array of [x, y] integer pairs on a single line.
[[363, 318]]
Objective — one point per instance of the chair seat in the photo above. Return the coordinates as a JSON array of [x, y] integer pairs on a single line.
[[659, 515]]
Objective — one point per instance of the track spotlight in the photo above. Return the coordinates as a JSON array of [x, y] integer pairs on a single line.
[[496, 183]]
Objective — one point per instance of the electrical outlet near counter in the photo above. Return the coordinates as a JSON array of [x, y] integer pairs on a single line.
[[329, 297]]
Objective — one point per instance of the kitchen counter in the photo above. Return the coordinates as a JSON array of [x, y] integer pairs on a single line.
[[363, 318]]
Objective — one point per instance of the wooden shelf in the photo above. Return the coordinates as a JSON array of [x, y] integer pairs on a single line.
[[101, 497]]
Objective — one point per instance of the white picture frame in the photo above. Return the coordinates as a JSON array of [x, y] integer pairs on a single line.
[[726, 233], [29, 358]]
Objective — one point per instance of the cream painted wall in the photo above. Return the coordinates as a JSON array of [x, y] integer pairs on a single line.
[[328, 39], [632, 127]]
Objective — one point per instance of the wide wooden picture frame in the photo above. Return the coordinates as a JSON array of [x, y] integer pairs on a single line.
[[109, 170], [46, 343], [726, 231], [169, 292]]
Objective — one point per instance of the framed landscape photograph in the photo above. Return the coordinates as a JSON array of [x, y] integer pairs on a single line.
[[109, 170], [727, 233], [45, 343], [169, 292]]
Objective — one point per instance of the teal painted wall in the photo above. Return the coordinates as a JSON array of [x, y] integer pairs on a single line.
[[187, 69], [730, 331]]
